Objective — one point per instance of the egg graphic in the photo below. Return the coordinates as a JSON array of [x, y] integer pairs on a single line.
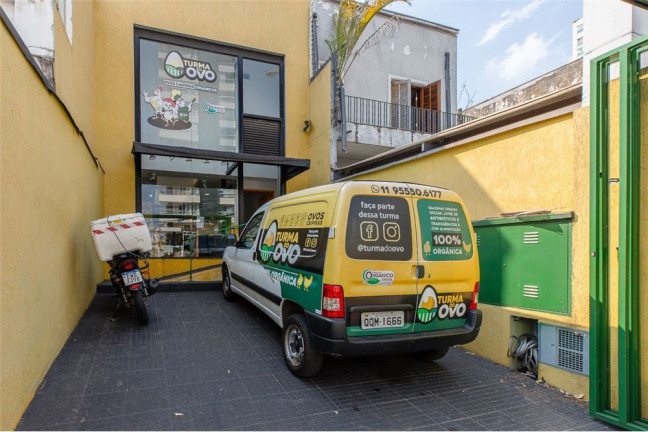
[[270, 235], [427, 306], [173, 64], [267, 247]]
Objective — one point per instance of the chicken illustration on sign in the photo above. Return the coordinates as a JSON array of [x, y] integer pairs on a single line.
[[170, 112]]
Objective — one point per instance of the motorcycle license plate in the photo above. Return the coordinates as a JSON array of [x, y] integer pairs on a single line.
[[132, 277], [376, 320]]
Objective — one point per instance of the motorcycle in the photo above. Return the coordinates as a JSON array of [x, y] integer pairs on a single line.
[[132, 283], [118, 240]]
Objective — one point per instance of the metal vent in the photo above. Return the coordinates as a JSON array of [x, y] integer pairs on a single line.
[[531, 237], [570, 350], [564, 348], [261, 136], [531, 291], [478, 239]]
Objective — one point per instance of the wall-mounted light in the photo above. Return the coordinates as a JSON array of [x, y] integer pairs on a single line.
[[151, 157]]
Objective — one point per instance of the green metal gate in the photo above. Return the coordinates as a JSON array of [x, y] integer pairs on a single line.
[[619, 260]]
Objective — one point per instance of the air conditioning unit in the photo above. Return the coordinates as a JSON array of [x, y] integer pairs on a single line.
[[564, 348]]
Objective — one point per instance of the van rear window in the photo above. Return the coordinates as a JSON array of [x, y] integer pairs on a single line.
[[445, 231], [379, 228]]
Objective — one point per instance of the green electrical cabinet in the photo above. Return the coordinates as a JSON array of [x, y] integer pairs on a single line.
[[525, 261]]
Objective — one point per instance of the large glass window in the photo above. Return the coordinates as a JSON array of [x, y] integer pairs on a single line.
[[188, 97], [189, 204], [261, 88]]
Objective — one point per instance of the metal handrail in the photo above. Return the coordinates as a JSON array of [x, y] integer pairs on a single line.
[[395, 116]]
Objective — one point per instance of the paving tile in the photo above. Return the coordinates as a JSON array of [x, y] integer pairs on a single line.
[[206, 364]]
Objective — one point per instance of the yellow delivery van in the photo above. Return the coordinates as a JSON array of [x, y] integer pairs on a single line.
[[359, 268]]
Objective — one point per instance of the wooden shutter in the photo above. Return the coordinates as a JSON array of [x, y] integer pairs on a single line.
[[431, 96], [430, 99], [400, 99]]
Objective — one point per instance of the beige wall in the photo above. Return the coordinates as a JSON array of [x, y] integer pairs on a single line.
[[51, 189], [544, 165]]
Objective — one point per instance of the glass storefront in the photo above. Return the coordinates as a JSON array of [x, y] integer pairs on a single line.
[[189, 204]]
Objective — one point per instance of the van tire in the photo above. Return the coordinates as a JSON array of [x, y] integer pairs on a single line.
[[432, 355], [228, 294], [300, 356]]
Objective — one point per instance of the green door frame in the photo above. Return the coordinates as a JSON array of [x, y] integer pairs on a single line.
[[629, 413]]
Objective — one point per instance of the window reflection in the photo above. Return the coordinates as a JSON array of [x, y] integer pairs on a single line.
[[190, 204]]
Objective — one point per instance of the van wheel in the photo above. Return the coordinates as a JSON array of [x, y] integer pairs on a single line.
[[228, 294], [301, 358], [432, 355]]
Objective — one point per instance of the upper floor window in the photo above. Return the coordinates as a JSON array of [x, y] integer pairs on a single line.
[[188, 97], [204, 95]]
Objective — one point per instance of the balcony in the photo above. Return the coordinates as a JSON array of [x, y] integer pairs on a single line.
[[410, 118], [374, 127]]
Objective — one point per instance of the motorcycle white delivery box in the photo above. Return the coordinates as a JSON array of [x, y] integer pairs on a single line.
[[121, 233]]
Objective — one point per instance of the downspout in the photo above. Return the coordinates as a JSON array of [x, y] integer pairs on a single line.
[[333, 127], [448, 107], [343, 138], [315, 53]]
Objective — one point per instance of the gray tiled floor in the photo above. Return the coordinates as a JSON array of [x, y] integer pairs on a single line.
[[205, 364]]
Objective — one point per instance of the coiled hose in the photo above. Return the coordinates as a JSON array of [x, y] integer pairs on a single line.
[[525, 349]]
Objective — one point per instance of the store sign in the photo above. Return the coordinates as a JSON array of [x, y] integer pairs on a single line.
[[177, 67]]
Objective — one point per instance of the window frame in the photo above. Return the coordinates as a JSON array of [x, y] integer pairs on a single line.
[[248, 227]]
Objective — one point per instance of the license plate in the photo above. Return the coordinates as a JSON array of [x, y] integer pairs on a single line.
[[377, 320], [132, 277]]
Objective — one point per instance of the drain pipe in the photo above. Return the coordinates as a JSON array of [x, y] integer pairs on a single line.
[[448, 108], [343, 132]]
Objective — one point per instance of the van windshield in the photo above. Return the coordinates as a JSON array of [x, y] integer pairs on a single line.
[[445, 231], [379, 228]]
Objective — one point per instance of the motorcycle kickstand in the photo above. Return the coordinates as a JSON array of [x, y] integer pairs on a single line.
[[114, 315]]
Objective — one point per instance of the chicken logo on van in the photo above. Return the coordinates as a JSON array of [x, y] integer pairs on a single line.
[[427, 307], [281, 250]]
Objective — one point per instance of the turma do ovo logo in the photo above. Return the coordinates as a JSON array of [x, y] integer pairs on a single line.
[[177, 66]]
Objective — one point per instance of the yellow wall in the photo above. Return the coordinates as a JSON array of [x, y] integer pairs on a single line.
[[320, 128], [51, 189], [544, 165]]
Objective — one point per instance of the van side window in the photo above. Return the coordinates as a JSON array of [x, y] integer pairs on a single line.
[[250, 232]]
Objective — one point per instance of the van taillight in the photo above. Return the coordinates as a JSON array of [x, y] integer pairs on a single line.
[[475, 297], [333, 301]]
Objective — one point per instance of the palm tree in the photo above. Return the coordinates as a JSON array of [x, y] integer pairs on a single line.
[[349, 24]]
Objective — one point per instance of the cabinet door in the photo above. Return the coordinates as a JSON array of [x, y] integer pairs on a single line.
[[535, 264], [490, 264]]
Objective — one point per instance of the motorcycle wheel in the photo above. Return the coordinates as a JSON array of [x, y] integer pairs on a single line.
[[140, 307]]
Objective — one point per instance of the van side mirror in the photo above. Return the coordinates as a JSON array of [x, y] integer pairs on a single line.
[[231, 240]]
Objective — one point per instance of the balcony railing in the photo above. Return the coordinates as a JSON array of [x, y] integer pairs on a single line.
[[384, 114]]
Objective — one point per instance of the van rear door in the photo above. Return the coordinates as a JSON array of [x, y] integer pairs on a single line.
[[448, 259], [377, 268]]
